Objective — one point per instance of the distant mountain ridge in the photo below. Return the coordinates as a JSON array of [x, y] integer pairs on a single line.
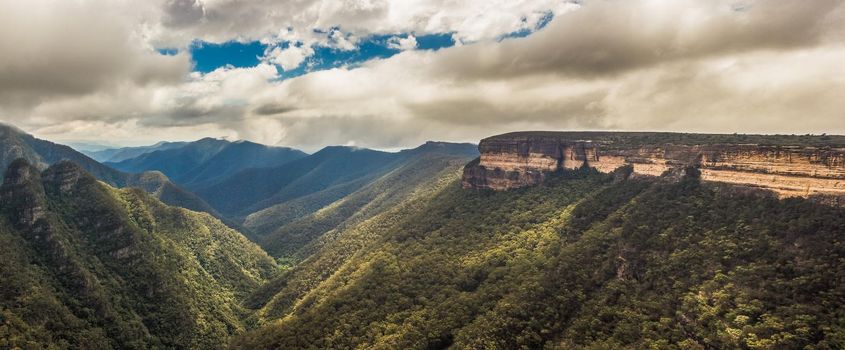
[[124, 153], [205, 161]]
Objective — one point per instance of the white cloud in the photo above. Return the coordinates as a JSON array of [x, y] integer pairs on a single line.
[[66, 48], [400, 43], [291, 57], [337, 39], [177, 22]]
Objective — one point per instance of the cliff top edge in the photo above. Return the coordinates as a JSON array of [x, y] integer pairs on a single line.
[[624, 138]]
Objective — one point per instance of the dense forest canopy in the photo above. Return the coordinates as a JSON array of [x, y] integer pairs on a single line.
[[584, 261], [87, 266]]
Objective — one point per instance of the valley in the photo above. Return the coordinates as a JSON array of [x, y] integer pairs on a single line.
[[528, 240]]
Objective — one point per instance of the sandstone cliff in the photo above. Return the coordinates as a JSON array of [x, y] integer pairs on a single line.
[[788, 165]]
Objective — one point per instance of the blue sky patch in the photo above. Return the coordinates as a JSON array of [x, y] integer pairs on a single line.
[[327, 58], [209, 56], [542, 23], [435, 41], [372, 47]]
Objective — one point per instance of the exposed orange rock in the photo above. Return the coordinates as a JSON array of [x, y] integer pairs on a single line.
[[789, 170]]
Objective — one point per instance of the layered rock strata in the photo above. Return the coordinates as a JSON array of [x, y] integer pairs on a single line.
[[524, 159]]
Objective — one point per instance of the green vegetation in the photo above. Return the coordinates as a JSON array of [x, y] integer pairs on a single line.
[[296, 240], [86, 266], [331, 250], [265, 221], [583, 261]]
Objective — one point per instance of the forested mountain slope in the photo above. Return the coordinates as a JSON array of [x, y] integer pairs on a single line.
[[86, 266], [296, 240], [312, 182], [584, 260], [16, 144], [254, 189], [285, 228]]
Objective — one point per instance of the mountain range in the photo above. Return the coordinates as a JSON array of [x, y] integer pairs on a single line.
[[206, 161], [113, 155], [16, 144], [265, 187], [332, 168], [528, 240]]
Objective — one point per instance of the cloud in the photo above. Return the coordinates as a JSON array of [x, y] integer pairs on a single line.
[[673, 73], [182, 13], [61, 49], [609, 37], [337, 39], [291, 57], [175, 23], [705, 66], [402, 44]]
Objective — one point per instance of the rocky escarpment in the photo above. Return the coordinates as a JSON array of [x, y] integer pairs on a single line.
[[787, 165]]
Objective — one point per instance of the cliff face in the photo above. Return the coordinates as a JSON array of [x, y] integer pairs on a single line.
[[524, 159]]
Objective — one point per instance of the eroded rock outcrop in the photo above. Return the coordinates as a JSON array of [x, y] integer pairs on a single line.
[[787, 165]]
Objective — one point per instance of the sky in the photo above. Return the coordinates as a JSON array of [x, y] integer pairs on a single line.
[[389, 74]]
